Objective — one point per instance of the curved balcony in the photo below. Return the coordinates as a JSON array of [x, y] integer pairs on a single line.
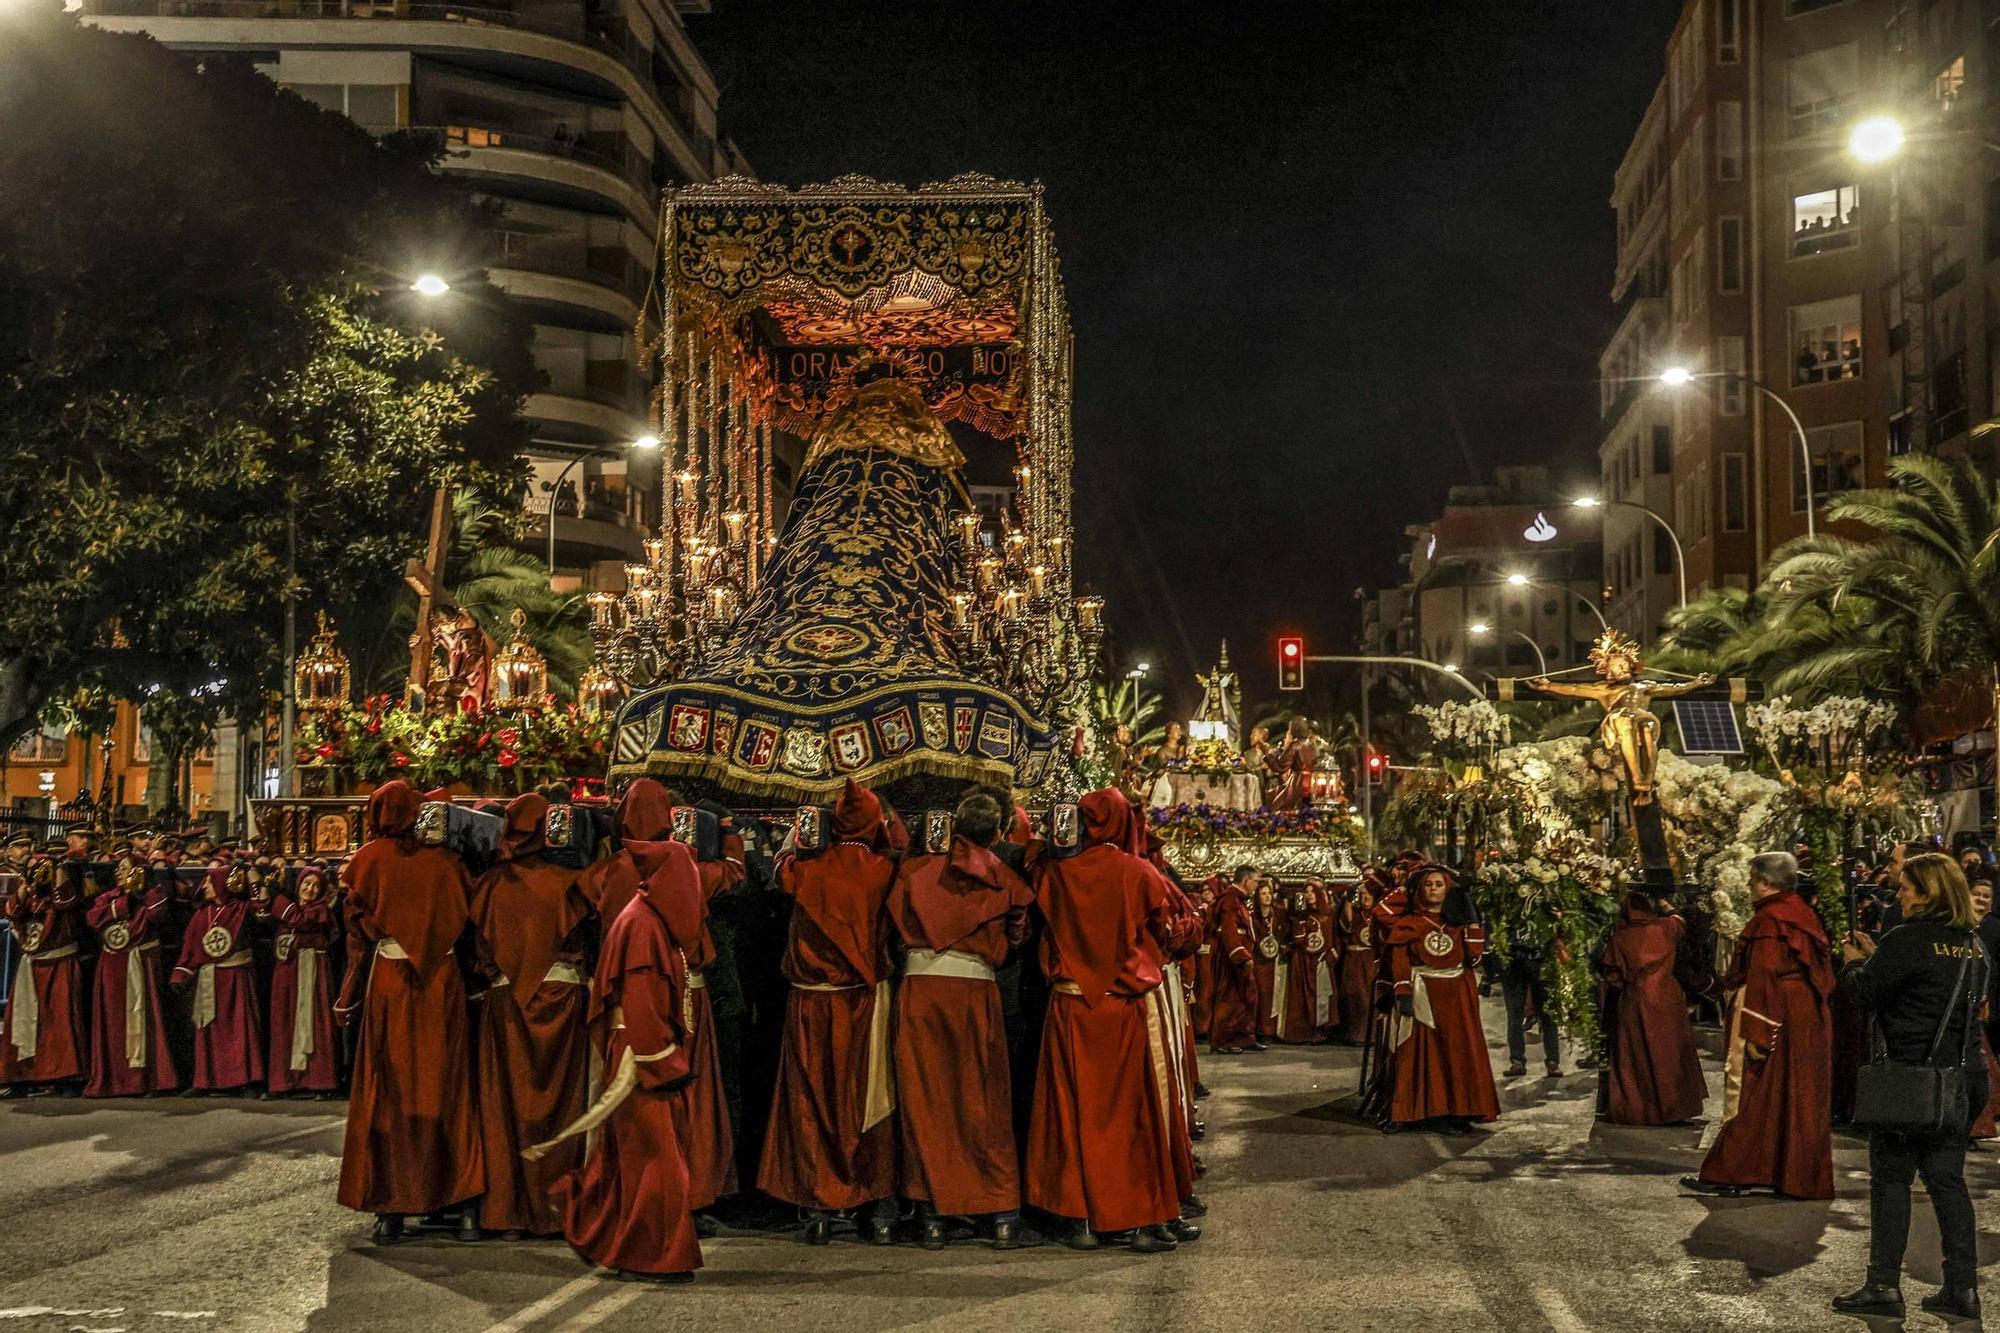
[[593, 47], [565, 167], [588, 414]]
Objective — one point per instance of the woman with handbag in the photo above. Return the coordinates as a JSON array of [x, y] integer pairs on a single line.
[[1923, 982]]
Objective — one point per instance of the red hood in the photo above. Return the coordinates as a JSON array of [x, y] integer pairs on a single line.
[[392, 810], [673, 886], [857, 817], [522, 835], [645, 812]]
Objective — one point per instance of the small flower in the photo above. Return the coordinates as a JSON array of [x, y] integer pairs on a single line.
[[507, 759]]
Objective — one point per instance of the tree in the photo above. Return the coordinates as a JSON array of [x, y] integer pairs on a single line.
[[1910, 607], [207, 349]]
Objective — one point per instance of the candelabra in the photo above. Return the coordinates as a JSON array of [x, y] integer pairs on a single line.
[[1010, 625]]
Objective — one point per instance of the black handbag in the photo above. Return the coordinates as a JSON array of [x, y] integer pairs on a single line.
[[1896, 1096]]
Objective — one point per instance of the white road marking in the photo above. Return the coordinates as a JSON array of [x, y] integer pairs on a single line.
[[37, 1311], [1561, 1318], [184, 1314], [590, 1316], [548, 1304]]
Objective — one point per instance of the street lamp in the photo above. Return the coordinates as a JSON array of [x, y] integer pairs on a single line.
[[1876, 139], [1481, 627], [1675, 376], [1523, 581], [430, 284], [645, 444], [1135, 675], [1680, 555]]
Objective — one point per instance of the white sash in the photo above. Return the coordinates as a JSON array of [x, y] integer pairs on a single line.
[[204, 986], [946, 963], [137, 991], [24, 1017], [303, 1006]]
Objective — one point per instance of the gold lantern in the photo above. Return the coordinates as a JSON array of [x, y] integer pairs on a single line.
[[321, 678], [520, 674], [598, 691]]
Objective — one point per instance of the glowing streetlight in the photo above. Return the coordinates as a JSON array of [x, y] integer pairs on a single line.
[[646, 442], [1523, 581], [430, 284], [1479, 627], [1680, 556], [1680, 375], [1876, 139]]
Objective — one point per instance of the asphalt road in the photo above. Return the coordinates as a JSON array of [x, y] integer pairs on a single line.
[[189, 1216]]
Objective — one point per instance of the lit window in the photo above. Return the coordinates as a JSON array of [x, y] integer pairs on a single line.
[[1825, 220], [1836, 459], [1949, 83], [1826, 341]]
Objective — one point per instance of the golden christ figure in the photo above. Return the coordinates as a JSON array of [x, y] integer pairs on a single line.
[[1629, 729]]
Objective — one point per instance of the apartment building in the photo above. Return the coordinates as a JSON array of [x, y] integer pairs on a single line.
[[574, 114], [1757, 251]]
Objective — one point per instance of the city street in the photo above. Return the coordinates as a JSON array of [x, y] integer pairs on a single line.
[[196, 1215]]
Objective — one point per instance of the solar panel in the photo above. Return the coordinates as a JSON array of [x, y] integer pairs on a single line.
[[1708, 726]]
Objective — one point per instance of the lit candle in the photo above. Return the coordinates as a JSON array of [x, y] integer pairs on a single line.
[[687, 477], [989, 572], [961, 607], [718, 601], [1088, 611], [1038, 580], [735, 520]]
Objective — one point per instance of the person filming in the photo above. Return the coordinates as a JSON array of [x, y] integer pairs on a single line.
[[1923, 982]]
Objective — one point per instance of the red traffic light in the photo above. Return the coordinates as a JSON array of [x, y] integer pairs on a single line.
[[1291, 663]]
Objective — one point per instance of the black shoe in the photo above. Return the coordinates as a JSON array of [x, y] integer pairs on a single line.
[[881, 1231], [1197, 1131], [1516, 1069], [704, 1225], [468, 1226], [1082, 1238], [1870, 1299], [513, 1234], [660, 1279], [1555, 1069], [1153, 1240], [1200, 1089], [194, 1092], [1184, 1231], [1696, 1185], [819, 1230], [1951, 1302], [932, 1236], [1007, 1234], [1192, 1206], [388, 1229], [1260, 1046]]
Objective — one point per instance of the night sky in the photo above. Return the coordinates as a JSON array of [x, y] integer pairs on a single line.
[[1324, 260]]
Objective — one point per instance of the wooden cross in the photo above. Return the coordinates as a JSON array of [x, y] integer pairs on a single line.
[[426, 579]]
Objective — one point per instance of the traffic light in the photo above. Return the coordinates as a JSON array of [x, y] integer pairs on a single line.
[[1291, 663], [1378, 765]]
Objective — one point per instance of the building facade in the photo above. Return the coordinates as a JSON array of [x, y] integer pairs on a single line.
[[1458, 608], [1757, 251], [573, 114]]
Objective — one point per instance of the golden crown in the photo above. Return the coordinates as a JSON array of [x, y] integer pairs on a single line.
[[1612, 644]]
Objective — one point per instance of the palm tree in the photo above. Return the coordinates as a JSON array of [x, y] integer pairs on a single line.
[[1913, 606], [489, 577], [1130, 702]]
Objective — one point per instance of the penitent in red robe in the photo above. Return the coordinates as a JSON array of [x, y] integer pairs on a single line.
[[627, 1207], [1653, 1071], [304, 1048], [532, 1044], [831, 1144], [42, 1033], [129, 1055], [956, 914], [1232, 1024], [215, 967], [1100, 1141], [1777, 1118], [1439, 1067], [412, 1127], [702, 1102], [645, 814], [1357, 967], [1266, 960], [1312, 994]]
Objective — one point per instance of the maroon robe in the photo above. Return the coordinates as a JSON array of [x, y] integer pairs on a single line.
[[215, 968], [1652, 1071], [412, 1126], [47, 922], [1440, 1067], [1312, 995], [701, 1103], [129, 1055], [1203, 964], [1101, 1140], [1986, 1123], [627, 1207], [1292, 770], [956, 915], [1233, 987], [1777, 1118], [830, 1144], [531, 1041], [304, 1048], [1357, 968], [1266, 947]]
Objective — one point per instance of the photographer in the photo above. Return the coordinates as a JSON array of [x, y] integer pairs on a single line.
[[1922, 982]]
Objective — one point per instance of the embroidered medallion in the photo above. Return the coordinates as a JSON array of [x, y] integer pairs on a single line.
[[117, 935], [1315, 942], [1268, 946], [850, 746], [216, 942], [31, 938], [936, 722], [285, 944], [687, 729], [805, 752], [894, 731], [1437, 944], [759, 746]]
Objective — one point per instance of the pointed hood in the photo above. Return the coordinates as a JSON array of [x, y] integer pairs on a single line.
[[1110, 819], [645, 812], [673, 886], [392, 810], [857, 817], [523, 835]]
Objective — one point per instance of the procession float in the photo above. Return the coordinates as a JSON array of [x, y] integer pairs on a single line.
[[863, 562]]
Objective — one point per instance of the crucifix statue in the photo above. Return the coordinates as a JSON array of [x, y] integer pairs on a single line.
[[1629, 730], [426, 579]]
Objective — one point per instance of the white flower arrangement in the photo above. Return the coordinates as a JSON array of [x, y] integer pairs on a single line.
[[1471, 725]]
